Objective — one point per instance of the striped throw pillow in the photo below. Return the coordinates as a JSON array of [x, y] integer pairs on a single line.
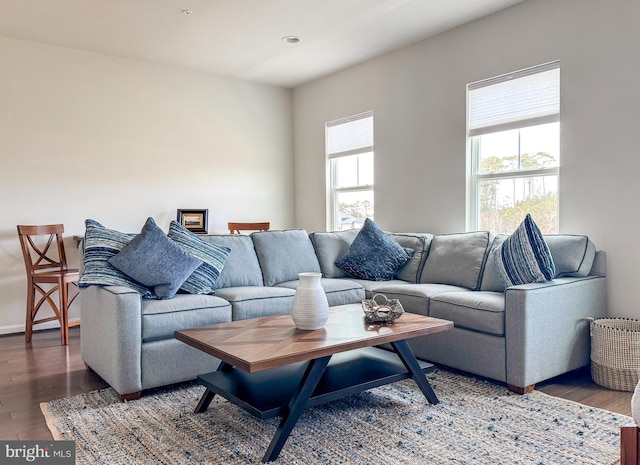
[[524, 257], [214, 257], [100, 244]]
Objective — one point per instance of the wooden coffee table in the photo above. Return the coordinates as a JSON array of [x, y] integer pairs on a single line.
[[270, 368]]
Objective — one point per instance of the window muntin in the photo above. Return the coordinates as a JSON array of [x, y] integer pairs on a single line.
[[514, 163], [349, 150]]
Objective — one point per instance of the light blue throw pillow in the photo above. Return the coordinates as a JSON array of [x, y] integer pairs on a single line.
[[524, 256], [100, 244], [203, 279], [154, 260], [374, 255]]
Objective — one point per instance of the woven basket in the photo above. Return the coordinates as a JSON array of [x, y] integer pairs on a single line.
[[615, 353]]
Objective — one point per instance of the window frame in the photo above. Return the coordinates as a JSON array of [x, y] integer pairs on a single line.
[[474, 177], [332, 220]]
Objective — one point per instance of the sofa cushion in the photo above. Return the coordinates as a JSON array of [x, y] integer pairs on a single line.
[[330, 246], [524, 256], [284, 254], [573, 255], [160, 318], [456, 259], [370, 287], [338, 291], [374, 255], [491, 280], [478, 311], [420, 243], [257, 301], [151, 258], [203, 279], [415, 298], [242, 267], [100, 244]]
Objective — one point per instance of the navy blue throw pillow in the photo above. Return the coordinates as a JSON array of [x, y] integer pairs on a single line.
[[373, 255], [152, 259]]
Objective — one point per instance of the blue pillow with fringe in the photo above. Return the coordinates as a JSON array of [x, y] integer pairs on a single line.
[[524, 256], [374, 255], [214, 257]]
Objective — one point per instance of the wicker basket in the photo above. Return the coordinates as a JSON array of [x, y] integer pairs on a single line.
[[615, 353]]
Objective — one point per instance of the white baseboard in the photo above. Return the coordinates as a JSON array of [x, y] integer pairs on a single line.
[[13, 329]]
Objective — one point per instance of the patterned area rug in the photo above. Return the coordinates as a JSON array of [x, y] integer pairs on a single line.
[[476, 422]]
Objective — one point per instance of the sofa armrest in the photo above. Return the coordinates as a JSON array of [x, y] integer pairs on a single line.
[[111, 335], [547, 333]]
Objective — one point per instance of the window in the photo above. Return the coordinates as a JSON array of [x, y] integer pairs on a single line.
[[514, 147], [349, 150]]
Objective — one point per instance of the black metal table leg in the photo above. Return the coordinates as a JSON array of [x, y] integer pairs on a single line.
[[205, 400], [298, 402], [208, 395], [409, 359]]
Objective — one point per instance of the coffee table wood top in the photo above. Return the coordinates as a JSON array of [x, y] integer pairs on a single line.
[[262, 343]]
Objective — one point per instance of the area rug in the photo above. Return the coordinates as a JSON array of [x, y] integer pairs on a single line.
[[476, 422]]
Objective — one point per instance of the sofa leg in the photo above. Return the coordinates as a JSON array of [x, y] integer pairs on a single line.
[[521, 390], [629, 445], [130, 396]]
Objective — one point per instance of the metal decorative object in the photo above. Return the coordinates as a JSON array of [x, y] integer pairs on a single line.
[[381, 310]]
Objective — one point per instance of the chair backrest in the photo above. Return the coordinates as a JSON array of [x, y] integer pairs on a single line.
[[38, 257], [237, 227]]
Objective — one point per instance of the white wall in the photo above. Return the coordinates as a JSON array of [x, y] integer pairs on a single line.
[[418, 97], [84, 135]]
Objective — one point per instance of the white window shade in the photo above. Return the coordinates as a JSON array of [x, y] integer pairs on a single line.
[[350, 135], [520, 99]]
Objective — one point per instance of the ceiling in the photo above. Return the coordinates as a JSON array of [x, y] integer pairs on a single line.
[[240, 38]]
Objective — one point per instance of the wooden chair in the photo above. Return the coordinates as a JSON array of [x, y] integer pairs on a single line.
[[237, 227], [629, 445], [47, 265]]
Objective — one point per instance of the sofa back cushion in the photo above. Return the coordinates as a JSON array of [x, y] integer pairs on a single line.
[[330, 246], [456, 259], [573, 255], [284, 254], [490, 278], [420, 243], [242, 267]]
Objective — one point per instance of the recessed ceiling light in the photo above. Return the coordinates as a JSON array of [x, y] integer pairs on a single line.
[[291, 39]]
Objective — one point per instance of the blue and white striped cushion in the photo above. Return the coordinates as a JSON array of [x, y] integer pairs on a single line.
[[524, 256], [203, 279], [100, 244]]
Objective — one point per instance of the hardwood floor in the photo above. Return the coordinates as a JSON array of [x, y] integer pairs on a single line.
[[36, 372], [44, 370]]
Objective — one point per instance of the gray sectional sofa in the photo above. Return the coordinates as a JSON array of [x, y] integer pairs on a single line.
[[520, 335]]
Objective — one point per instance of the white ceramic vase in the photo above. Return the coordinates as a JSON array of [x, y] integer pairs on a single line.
[[310, 307]]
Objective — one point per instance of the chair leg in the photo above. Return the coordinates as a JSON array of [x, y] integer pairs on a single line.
[[28, 327], [64, 312]]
